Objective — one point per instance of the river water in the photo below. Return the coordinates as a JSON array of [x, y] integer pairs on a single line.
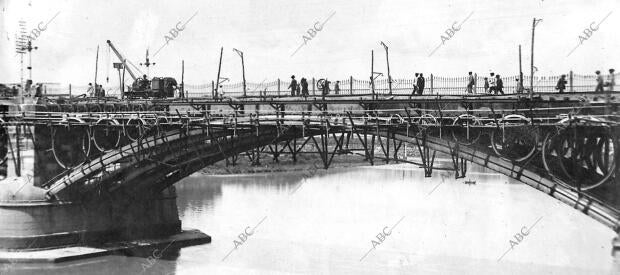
[[367, 220]]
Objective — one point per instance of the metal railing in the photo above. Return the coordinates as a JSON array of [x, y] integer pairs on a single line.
[[435, 85]]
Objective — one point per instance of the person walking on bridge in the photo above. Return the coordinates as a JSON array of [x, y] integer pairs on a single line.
[[561, 86], [415, 85], [492, 84], [500, 85], [599, 82], [420, 84], [90, 90], [611, 80], [293, 85], [304, 87], [337, 87], [470, 83]]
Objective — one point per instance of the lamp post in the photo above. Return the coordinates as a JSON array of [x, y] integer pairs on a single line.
[[534, 23], [388, 66], [240, 53]]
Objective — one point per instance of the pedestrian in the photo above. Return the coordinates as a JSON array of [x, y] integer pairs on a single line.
[[486, 85], [599, 82], [326, 88], [221, 93], [101, 91], [420, 84], [611, 80], [492, 84], [500, 85], [337, 87], [519, 85], [293, 85], [304, 87], [90, 90], [297, 93], [28, 88], [470, 83], [415, 85], [561, 86], [38, 91], [14, 91]]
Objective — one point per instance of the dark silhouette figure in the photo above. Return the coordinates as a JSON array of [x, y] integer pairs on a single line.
[[304, 87], [38, 91], [470, 83], [500, 85], [561, 85], [492, 84], [293, 85], [337, 87], [420, 84], [415, 85]]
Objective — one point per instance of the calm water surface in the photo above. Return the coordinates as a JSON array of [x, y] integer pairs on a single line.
[[328, 224]]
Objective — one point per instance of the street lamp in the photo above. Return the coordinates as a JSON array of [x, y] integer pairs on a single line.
[[240, 53], [388, 66], [534, 23]]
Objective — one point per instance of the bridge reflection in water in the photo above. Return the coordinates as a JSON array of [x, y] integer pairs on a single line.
[[327, 225], [564, 146]]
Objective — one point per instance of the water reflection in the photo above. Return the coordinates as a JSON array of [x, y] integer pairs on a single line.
[[324, 224]]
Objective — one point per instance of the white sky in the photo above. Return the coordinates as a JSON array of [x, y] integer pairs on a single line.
[[270, 31]]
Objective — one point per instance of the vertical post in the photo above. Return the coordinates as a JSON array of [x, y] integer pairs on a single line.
[[120, 82], [351, 85], [532, 59], [475, 83], [182, 93], [219, 68], [372, 73], [240, 53], [243, 73], [123, 82], [387, 59], [432, 83], [69, 90], [313, 86], [278, 87], [570, 81], [96, 67], [212, 90], [520, 83]]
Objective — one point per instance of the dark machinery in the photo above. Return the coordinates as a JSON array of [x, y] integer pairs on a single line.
[[142, 87]]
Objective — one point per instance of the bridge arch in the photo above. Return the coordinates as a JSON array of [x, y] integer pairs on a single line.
[[156, 162]]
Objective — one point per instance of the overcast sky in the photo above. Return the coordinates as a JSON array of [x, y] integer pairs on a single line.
[[269, 32]]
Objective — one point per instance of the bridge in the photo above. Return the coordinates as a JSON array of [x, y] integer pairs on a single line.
[[94, 170]]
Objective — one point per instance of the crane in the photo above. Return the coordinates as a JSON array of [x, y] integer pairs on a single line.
[[122, 59], [142, 87]]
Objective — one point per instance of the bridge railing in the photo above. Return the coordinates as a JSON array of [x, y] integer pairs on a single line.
[[436, 85]]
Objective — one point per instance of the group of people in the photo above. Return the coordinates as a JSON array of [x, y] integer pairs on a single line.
[[418, 87], [600, 83], [493, 84], [95, 91], [300, 88], [29, 89]]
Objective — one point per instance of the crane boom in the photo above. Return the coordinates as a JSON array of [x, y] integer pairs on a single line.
[[122, 59]]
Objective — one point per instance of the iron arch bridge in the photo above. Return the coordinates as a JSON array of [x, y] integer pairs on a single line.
[[568, 152]]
